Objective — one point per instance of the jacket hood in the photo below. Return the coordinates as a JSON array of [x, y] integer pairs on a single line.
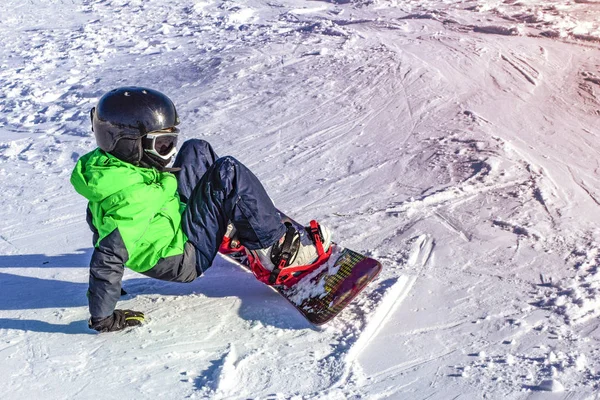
[[98, 175]]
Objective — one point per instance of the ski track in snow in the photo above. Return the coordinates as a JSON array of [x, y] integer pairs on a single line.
[[454, 141]]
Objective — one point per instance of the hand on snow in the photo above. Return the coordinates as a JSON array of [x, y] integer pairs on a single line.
[[119, 320]]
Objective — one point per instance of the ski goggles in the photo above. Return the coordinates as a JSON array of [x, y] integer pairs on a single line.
[[161, 143]]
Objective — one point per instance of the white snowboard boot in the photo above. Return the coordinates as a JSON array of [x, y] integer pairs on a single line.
[[295, 248]]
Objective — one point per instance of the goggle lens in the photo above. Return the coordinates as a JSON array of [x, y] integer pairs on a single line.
[[161, 143]]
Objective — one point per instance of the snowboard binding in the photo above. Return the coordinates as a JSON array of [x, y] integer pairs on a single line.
[[282, 255]]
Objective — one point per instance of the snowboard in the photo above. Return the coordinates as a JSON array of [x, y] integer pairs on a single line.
[[321, 294]]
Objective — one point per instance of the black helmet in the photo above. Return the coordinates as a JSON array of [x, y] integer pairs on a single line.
[[124, 115]]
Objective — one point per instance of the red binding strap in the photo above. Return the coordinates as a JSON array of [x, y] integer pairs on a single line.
[[315, 231], [289, 276]]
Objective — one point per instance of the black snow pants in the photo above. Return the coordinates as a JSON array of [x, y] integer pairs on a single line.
[[218, 191]]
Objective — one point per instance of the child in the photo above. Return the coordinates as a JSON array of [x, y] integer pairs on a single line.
[[168, 223]]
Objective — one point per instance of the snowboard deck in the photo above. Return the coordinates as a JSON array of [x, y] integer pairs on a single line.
[[326, 291]]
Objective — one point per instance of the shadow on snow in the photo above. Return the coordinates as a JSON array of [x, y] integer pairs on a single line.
[[80, 259], [223, 279]]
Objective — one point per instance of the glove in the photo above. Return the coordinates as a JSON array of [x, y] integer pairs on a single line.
[[119, 320]]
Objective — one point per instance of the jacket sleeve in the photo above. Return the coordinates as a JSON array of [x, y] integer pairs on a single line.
[[106, 273]]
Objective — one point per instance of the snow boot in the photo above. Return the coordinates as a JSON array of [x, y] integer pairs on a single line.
[[292, 257]]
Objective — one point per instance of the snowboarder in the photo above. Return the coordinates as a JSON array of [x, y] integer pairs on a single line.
[[168, 223]]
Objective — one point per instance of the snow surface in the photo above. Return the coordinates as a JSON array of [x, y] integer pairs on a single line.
[[455, 141]]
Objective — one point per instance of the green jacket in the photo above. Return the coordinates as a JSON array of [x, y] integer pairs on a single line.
[[142, 203]]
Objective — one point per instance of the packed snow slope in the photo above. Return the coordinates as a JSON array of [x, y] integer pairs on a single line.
[[455, 141]]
